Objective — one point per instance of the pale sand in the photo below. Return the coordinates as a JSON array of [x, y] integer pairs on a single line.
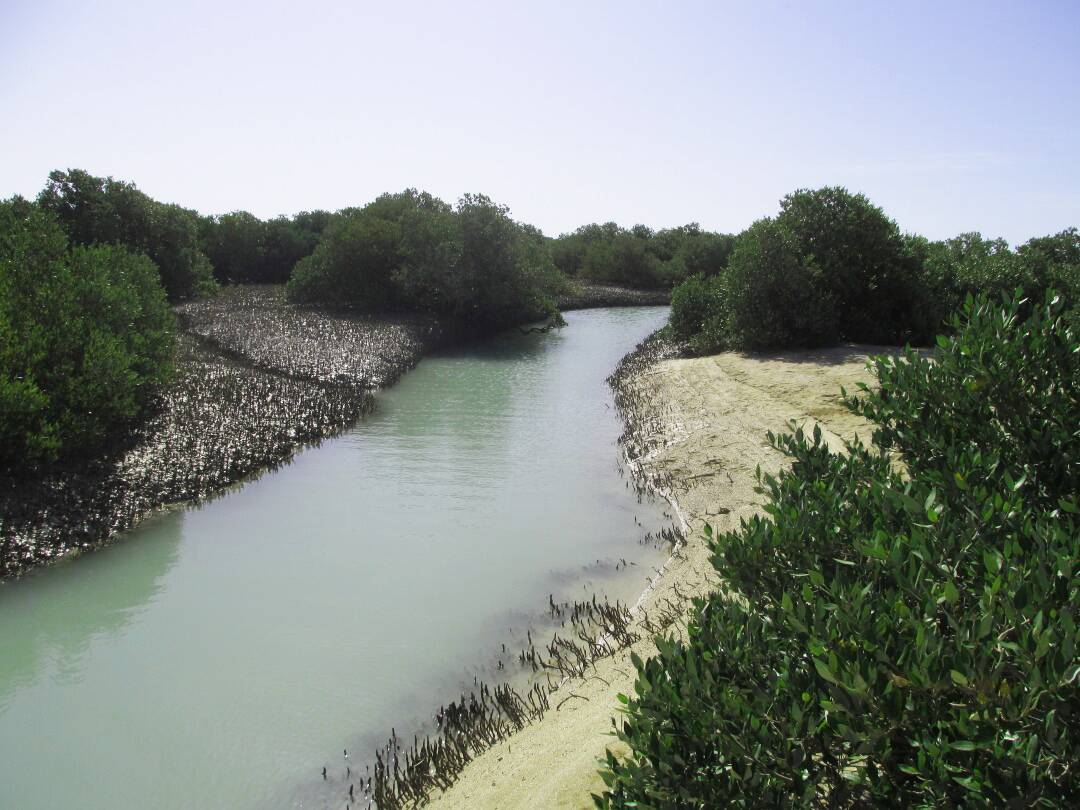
[[707, 425]]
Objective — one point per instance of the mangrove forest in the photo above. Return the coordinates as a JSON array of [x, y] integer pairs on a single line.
[[896, 626]]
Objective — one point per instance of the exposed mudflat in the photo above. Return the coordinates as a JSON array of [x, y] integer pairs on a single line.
[[256, 324], [697, 431]]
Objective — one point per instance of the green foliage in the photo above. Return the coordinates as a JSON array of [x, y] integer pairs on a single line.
[[899, 639], [94, 210], [245, 249], [640, 257], [969, 264], [1054, 262], [695, 305], [624, 260], [85, 338], [774, 293], [412, 251], [503, 274], [360, 251], [1007, 382], [860, 258], [694, 251], [831, 266]]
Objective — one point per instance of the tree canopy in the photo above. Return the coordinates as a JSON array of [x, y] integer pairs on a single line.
[[639, 256], [411, 251], [832, 266], [102, 211], [85, 338], [245, 249]]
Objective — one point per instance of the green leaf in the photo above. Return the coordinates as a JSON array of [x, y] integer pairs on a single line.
[[968, 782], [824, 671], [950, 592]]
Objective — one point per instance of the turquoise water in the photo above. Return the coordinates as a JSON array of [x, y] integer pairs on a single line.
[[219, 656]]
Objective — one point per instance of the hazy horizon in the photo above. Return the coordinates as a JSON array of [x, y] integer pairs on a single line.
[[951, 119]]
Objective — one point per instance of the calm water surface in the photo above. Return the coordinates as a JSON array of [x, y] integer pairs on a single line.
[[219, 656]]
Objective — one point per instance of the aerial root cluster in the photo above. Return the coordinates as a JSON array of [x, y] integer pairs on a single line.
[[594, 629]]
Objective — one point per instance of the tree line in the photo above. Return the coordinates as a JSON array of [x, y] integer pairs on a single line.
[[193, 253], [830, 266], [639, 256]]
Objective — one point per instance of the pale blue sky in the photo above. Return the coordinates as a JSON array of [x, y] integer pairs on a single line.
[[951, 116]]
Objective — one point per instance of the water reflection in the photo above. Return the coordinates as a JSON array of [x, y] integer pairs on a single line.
[[50, 618]]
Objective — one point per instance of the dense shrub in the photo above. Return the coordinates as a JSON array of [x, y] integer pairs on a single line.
[[900, 639], [355, 259], [245, 249], [640, 257], [774, 294], [860, 257], [412, 251], [966, 265], [624, 260], [1054, 262], [970, 264], [234, 245], [693, 303], [94, 210], [831, 266], [85, 338], [688, 251], [502, 273]]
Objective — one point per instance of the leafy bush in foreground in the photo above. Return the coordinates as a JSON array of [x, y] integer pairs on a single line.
[[85, 337], [893, 639]]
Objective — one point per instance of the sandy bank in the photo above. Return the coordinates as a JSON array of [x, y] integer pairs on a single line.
[[700, 426]]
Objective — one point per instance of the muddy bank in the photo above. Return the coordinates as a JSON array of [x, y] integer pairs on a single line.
[[696, 432], [588, 295], [254, 381]]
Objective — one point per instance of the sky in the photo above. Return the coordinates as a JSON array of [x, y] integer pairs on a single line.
[[951, 116]]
